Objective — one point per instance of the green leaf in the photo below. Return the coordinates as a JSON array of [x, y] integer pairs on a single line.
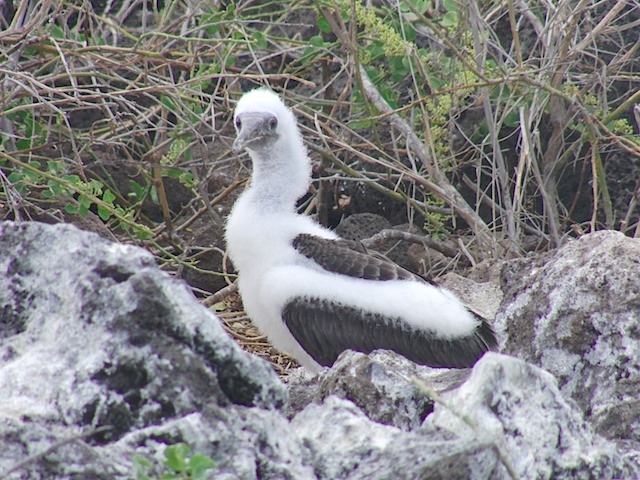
[[212, 29], [173, 173], [23, 144], [141, 234], [219, 307], [175, 457], [85, 205], [450, 19], [450, 5], [212, 23], [54, 166], [512, 119], [104, 214], [187, 179], [399, 67], [57, 189], [139, 192], [154, 195], [359, 124], [72, 209], [95, 186], [168, 102], [57, 32], [32, 176], [72, 179], [198, 465], [376, 51], [316, 41], [108, 197], [421, 5], [260, 39], [15, 177], [323, 25]]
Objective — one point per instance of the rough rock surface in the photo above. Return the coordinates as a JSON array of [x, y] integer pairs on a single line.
[[576, 313], [380, 384], [519, 408], [361, 225], [93, 335]]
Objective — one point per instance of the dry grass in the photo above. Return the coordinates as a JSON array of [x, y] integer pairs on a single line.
[[239, 326], [513, 121]]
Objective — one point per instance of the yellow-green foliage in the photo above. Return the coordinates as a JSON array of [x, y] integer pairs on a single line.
[[392, 42], [435, 223], [621, 127]]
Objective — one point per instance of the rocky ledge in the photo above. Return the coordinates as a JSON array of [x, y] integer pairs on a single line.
[[105, 359]]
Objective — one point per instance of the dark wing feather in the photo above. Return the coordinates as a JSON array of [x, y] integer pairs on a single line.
[[351, 258], [325, 329]]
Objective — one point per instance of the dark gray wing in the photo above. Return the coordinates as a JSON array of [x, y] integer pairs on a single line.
[[351, 258], [325, 329]]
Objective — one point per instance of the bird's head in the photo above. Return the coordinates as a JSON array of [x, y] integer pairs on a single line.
[[260, 120]]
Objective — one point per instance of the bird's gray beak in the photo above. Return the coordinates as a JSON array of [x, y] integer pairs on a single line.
[[253, 126]]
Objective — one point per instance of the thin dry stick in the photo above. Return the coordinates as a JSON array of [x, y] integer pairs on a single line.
[[633, 203], [213, 202], [484, 198], [594, 185], [54, 446], [531, 17], [514, 32], [203, 197], [608, 18], [221, 294]]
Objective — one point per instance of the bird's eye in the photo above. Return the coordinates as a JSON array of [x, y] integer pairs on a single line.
[[273, 123], [238, 123]]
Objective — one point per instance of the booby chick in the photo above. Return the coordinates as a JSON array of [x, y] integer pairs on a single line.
[[315, 295]]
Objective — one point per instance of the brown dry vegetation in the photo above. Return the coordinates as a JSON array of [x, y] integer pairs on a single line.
[[516, 121]]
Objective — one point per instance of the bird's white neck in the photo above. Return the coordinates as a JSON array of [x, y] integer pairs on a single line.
[[280, 176]]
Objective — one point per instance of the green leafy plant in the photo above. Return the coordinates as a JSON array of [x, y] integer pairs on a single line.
[[178, 464]]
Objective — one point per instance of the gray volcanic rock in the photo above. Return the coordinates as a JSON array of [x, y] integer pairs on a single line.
[[576, 313], [519, 408], [104, 358], [521, 427], [92, 335], [347, 445], [361, 225], [380, 384]]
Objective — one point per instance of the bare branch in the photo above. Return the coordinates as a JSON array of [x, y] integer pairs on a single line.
[[441, 187]]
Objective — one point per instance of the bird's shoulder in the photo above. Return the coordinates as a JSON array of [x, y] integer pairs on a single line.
[[349, 257]]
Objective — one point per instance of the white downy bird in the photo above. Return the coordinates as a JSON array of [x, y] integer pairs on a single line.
[[315, 295]]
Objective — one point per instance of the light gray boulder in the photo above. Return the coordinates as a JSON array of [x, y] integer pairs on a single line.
[[93, 334], [518, 408], [345, 444], [380, 384], [508, 419], [576, 313]]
